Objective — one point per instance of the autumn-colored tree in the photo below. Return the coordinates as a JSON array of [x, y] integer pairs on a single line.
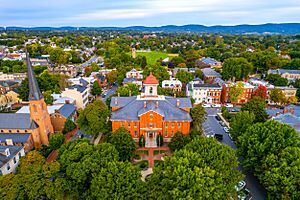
[[292, 100], [261, 92], [277, 96], [236, 91]]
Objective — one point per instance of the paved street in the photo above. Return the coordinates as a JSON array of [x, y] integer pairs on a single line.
[[91, 60], [212, 126]]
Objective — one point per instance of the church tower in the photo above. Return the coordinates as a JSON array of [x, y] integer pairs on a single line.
[[38, 108]]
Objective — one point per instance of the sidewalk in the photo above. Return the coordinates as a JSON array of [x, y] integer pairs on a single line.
[[151, 157]]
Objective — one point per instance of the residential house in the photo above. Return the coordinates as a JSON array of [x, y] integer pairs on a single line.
[[13, 77], [79, 93], [208, 62], [209, 75], [135, 74], [9, 158], [286, 73], [68, 70], [173, 84], [102, 80]]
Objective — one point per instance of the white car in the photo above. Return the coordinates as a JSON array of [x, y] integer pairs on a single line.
[[216, 105], [228, 105], [226, 130], [206, 105], [210, 136], [241, 185]]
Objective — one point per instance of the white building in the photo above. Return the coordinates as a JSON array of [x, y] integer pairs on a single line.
[[135, 74], [173, 84], [14, 76], [79, 93], [204, 93], [9, 158]]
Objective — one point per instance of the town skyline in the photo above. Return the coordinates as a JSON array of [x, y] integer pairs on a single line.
[[146, 13]]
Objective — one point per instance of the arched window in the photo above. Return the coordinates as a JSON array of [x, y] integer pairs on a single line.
[[151, 90]]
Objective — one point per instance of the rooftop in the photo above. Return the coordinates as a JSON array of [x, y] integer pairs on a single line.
[[151, 80], [210, 72], [79, 88], [13, 150], [15, 121]]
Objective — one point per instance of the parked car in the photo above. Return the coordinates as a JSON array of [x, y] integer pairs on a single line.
[[222, 123], [244, 194], [206, 105], [234, 110], [209, 136], [226, 130], [228, 105], [241, 185], [219, 136], [218, 117], [216, 105]]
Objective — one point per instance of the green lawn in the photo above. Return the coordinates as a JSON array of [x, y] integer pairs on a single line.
[[153, 56]]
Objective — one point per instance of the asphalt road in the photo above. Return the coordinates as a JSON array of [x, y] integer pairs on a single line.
[[212, 126], [109, 92], [91, 60]]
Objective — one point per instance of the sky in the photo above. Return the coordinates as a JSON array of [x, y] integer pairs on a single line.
[[123, 13]]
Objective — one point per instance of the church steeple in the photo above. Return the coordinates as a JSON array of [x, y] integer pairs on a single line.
[[34, 90]]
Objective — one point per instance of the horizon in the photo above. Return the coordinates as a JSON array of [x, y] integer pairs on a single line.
[[149, 13]]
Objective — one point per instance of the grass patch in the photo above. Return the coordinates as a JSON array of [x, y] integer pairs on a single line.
[[145, 152], [156, 152], [153, 56]]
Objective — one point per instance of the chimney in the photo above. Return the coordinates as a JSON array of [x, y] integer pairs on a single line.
[[292, 110], [156, 105], [116, 101], [285, 110], [145, 104], [177, 102]]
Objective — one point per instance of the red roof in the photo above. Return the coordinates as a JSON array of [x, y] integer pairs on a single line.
[[151, 79]]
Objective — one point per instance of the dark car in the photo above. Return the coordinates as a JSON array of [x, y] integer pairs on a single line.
[[219, 136], [218, 117]]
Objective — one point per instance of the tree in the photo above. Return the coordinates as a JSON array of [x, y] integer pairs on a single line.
[[128, 90], [277, 80], [56, 140], [262, 139], [256, 106], [198, 114], [48, 97], [236, 69], [69, 125], [178, 141], [236, 91], [142, 141], [124, 143], [292, 100], [277, 96], [95, 67], [32, 180], [177, 60], [261, 92], [158, 71], [39, 69], [112, 76], [96, 89], [93, 119], [184, 76], [120, 180], [203, 169], [198, 73], [159, 140], [195, 134], [281, 174], [240, 123]]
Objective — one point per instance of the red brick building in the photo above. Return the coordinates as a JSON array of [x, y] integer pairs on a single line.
[[150, 114], [247, 93]]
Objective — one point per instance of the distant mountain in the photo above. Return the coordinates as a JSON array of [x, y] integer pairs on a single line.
[[283, 28]]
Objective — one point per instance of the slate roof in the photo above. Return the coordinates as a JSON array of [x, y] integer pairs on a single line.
[[14, 150], [83, 82], [205, 85], [79, 88], [67, 110], [210, 72], [34, 90], [133, 108], [129, 80], [81, 134], [15, 137], [100, 77], [282, 71], [209, 61], [15, 121]]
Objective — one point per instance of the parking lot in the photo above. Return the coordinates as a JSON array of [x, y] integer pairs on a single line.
[[212, 126]]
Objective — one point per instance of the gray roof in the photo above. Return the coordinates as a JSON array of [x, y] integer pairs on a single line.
[[34, 90], [15, 137], [121, 101], [282, 71], [207, 86], [16, 121], [81, 134], [14, 150], [167, 108], [67, 110], [129, 80], [83, 82], [210, 72], [79, 88]]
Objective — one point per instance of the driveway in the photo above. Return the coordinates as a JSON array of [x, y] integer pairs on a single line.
[[212, 126]]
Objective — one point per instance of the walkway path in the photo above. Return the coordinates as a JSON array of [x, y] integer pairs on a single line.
[[151, 157]]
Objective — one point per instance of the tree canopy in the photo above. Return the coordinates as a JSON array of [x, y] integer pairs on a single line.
[[93, 119], [256, 106], [236, 69], [198, 114]]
